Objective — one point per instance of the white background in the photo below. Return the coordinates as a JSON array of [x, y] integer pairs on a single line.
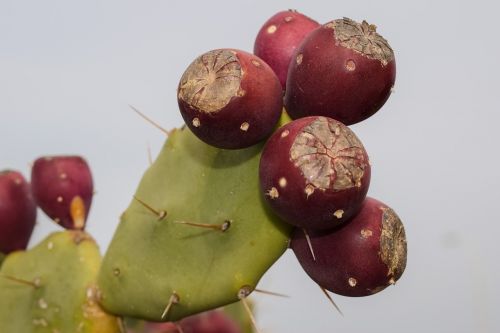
[[68, 70]]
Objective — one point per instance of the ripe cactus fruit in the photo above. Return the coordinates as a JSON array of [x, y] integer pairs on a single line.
[[17, 212], [344, 70], [63, 188], [314, 173], [230, 98], [360, 258], [51, 288], [279, 37], [199, 230]]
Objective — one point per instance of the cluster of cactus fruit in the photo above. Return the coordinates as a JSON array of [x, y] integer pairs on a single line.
[[265, 163]]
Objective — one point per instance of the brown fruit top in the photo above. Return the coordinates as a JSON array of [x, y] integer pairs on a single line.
[[362, 38], [209, 83], [393, 243], [329, 155]]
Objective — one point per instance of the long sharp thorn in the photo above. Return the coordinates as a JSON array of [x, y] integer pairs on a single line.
[[121, 325], [308, 239], [150, 156], [331, 300], [270, 293], [221, 227], [34, 284], [174, 299], [149, 120], [161, 214], [250, 314], [179, 328]]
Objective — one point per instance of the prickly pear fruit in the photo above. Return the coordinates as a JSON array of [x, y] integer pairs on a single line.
[[215, 321], [195, 236], [279, 37], [51, 288], [314, 173], [360, 258], [17, 211], [63, 188], [343, 70], [230, 98]]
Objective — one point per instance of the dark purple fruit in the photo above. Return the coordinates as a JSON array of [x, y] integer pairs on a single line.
[[360, 258], [63, 188], [279, 37], [17, 212], [315, 173], [344, 70], [230, 99]]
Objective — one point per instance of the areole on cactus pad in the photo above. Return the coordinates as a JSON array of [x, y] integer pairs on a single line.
[[162, 265]]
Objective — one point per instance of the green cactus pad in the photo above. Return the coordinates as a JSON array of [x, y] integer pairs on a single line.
[[51, 288], [2, 257], [150, 258]]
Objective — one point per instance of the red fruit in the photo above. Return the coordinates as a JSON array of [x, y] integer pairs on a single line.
[[343, 70], [151, 327], [315, 173], [17, 212], [360, 258], [209, 322], [230, 98], [279, 37], [63, 188]]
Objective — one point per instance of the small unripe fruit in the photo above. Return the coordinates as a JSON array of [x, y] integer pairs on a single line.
[[230, 99], [17, 212], [279, 37], [344, 70], [361, 257], [314, 173], [63, 189]]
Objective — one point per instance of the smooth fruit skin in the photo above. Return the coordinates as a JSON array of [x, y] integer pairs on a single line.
[[230, 99], [361, 257], [279, 37], [314, 173], [329, 79], [17, 212], [58, 182]]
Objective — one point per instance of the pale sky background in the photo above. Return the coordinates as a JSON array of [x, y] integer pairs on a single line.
[[68, 70]]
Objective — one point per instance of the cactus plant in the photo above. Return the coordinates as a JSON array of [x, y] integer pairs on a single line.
[[51, 288], [161, 264]]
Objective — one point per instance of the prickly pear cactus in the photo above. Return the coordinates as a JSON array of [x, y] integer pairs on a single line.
[[51, 288], [160, 266], [2, 257]]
